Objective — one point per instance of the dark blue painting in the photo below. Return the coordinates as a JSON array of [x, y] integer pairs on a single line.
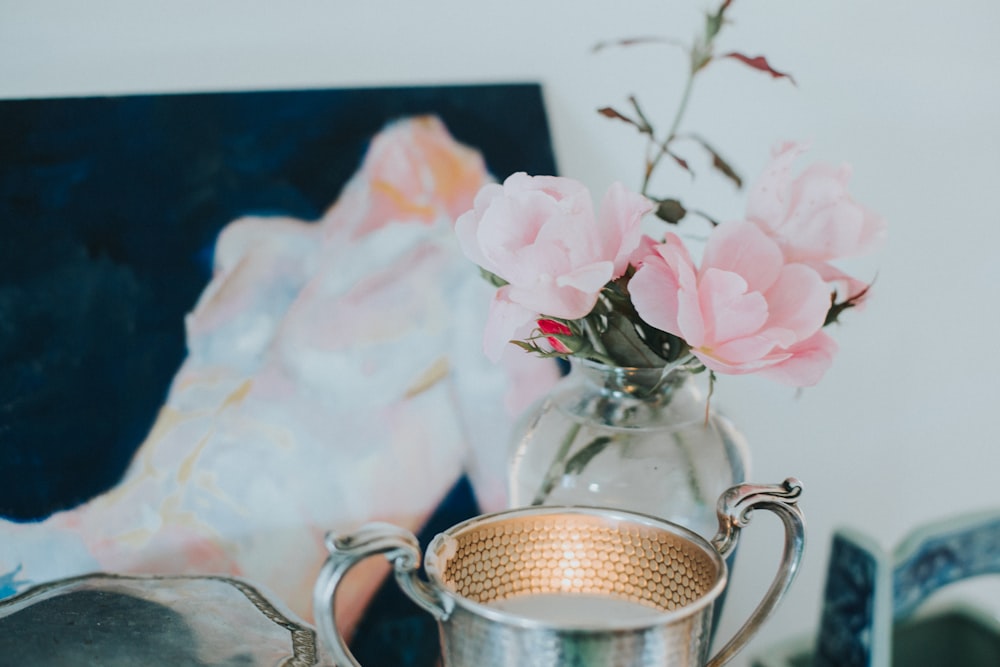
[[110, 208]]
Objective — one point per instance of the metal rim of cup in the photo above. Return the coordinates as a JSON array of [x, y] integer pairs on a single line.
[[665, 617]]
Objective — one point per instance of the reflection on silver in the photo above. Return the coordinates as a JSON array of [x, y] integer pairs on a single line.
[[112, 620]]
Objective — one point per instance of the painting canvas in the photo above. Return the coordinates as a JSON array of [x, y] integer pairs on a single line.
[[112, 210]]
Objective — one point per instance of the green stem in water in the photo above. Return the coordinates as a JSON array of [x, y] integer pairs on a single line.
[[557, 466], [564, 464], [708, 399], [689, 464]]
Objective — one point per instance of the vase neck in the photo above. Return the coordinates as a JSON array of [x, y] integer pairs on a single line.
[[639, 383]]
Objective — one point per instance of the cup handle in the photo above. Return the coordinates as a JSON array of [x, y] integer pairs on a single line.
[[734, 510], [400, 548]]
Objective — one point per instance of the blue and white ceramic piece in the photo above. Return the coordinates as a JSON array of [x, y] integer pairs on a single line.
[[942, 554], [871, 596]]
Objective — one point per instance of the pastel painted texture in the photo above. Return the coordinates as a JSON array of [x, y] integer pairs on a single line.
[[415, 172], [744, 310], [541, 236], [335, 376]]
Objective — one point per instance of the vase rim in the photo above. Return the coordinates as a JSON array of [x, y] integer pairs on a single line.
[[657, 382], [600, 365]]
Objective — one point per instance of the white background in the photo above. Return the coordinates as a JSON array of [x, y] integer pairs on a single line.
[[903, 429]]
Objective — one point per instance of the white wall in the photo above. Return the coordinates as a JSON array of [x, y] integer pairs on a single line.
[[903, 428]]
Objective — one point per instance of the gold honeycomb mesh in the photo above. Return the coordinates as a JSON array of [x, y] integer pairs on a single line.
[[569, 553]]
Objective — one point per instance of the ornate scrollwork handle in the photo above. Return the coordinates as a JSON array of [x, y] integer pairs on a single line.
[[735, 508], [400, 548]]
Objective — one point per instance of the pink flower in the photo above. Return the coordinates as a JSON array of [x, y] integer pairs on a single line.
[[647, 246], [540, 235], [812, 216], [744, 311]]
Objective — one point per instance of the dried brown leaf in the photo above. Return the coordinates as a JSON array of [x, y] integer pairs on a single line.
[[760, 63]]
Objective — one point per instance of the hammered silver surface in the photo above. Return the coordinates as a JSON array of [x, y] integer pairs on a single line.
[[577, 554], [470, 639]]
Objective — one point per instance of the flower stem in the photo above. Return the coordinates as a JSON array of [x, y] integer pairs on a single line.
[[692, 475], [672, 133], [557, 466]]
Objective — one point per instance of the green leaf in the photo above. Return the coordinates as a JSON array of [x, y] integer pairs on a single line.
[[527, 347], [666, 345], [532, 348], [713, 24], [625, 346], [714, 21], [492, 278]]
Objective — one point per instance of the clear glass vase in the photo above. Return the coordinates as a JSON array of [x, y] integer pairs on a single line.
[[636, 439]]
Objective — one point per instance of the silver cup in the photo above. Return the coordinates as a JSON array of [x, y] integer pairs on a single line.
[[561, 586]]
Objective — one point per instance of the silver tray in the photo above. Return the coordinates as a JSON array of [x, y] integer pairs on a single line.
[[180, 621]]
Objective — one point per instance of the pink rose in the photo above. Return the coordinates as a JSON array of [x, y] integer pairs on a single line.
[[744, 311], [812, 216], [540, 235]]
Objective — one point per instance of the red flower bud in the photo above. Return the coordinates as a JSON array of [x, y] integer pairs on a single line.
[[547, 327]]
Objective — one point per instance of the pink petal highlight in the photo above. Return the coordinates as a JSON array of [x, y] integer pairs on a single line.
[[798, 301], [620, 214], [812, 216], [654, 290], [808, 362], [745, 355], [590, 278], [742, 248], [728, 309], [767, 197], [505, 320]]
